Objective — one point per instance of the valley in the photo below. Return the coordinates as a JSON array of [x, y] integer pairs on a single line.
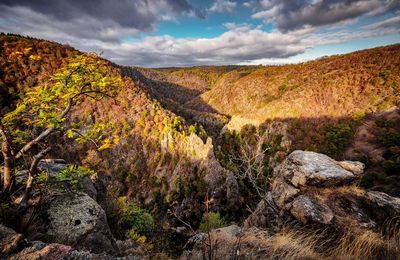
[[101, 161]]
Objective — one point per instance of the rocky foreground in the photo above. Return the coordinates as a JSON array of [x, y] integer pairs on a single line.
[[309, 191]]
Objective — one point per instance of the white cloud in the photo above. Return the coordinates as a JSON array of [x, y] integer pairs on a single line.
[[241, 43], [291, 15], [390, 22], [223, 6], [97, 19]]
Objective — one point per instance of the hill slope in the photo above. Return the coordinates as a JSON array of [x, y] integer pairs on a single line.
[[335, 86], [157, 152], [323, 105], [160, 157]]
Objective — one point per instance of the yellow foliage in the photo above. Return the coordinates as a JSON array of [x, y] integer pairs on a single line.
[[34, 57]]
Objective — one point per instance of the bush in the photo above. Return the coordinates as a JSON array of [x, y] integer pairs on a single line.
[[8, 216], [368, 179], [337, 138], [390, 139], [391, 167], [135, 218], [132, 234], [212, 220], [73, 176]]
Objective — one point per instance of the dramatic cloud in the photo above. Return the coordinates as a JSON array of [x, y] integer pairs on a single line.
[[223, 6], [125, 30], [291, 15], [237, 45], [393, 22], [241, 44], [94, 19]]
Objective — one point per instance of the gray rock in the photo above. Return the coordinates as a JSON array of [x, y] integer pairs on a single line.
[[40, 250], [9, 240], [309, 211], [231, 231], [196, 239], [89, 188], [304, 168], [282, 192], [52, 166], [76, 219], [384, 201], [355, 167], [265, 216], [385, 206], [6, 232], [232, 192], [130, 248]]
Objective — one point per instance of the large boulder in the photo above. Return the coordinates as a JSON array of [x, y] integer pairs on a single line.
[[306, 210], [314, 189], [303, 168], [76, 219]]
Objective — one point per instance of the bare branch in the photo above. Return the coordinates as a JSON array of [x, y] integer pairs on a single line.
[[85, 137], [31, 175], [43, 135]]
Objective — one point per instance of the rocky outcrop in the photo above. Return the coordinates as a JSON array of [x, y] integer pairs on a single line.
[[302, 168], [15, 247], [37, 250], [53, 167], [76, 219], [266, 215], [314, 189], [232, 192], [9, 240], [307, 210]]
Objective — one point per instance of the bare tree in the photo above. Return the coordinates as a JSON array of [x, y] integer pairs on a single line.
[[251, 163]]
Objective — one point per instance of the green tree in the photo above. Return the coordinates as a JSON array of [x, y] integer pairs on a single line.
[[47, 108]]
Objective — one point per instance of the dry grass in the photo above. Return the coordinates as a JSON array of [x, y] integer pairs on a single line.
[[319, 192], [293, 243]]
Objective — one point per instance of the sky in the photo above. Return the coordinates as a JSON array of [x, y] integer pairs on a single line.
[[165, 33]]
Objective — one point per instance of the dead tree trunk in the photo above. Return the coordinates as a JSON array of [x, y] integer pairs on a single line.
[[7, 166], [31, 175], [8, 157]]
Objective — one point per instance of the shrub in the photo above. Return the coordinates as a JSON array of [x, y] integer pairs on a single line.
[[385, 123], [390, 139], [132, 234], [369, 178], [7, 215], [337, 138], [282, 89], [73, 176], [135, 218], [212, 220], [391, 167]]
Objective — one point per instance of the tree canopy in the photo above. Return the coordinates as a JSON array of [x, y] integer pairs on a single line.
[[47, 107]]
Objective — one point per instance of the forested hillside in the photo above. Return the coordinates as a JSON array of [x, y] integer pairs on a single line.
[[130, 161], [323, 105]]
